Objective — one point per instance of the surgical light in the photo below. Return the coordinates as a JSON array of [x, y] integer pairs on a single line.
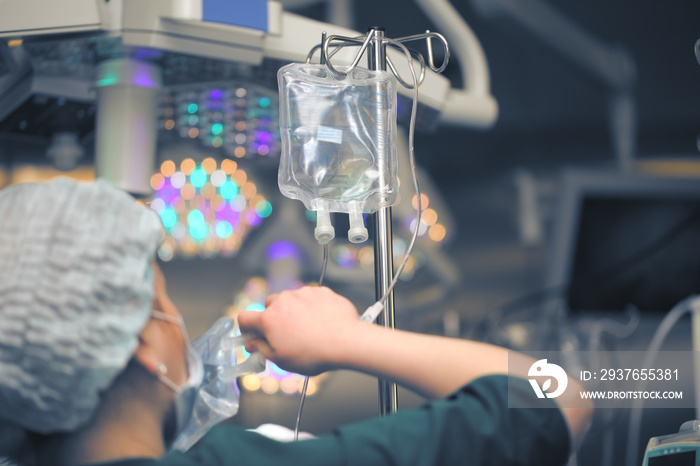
[[238, 117], [206, 209]]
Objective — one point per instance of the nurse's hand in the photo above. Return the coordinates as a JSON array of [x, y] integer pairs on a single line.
[[305, 331]]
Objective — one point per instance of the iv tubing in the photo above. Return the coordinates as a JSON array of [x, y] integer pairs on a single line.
[[324, 265], [691, 304], [372, 312]]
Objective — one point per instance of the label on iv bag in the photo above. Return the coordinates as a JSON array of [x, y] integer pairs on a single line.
[[327, 134]]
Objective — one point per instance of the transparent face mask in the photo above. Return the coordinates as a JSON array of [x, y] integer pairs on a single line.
[[217, 397]]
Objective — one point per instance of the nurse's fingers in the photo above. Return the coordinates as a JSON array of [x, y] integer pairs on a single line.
[[250, 322], [271, 298]]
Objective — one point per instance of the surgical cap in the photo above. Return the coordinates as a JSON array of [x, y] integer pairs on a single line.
[[76, 285]]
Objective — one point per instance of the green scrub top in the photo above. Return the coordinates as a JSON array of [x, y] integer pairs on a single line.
[[473, 426]]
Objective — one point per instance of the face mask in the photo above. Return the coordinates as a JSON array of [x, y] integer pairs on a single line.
[[186, 395], [218, 397]]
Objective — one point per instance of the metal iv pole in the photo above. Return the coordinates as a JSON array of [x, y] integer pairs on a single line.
[[383, 239]]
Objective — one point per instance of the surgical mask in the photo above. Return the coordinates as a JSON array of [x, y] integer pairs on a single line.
[[186, 395], [218, 396]]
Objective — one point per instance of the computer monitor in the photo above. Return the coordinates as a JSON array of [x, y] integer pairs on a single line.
[[624, 239]]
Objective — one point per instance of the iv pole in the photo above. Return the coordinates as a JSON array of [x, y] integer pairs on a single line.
[[383, 239], [375, 44]]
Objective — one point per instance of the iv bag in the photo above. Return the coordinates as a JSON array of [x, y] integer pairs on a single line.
[[338, 138]]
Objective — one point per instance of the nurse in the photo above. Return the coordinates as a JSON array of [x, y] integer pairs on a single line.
[[95, 367]]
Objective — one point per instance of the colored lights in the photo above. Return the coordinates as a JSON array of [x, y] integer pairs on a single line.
[[202, 209], [241, 121], [228, 190]]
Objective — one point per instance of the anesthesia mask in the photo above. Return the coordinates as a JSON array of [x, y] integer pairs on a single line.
[[217, 398]]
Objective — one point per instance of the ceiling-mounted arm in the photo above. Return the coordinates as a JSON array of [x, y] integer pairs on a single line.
[[473, 105]]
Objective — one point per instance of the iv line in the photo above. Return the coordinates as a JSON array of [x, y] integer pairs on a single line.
[[372, 312], [324, 265]]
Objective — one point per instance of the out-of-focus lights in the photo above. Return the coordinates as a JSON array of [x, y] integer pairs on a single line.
[[424, 201], [283, 250], [240, 177], [187, 192], [366, 256], [208, 165], [311, 388], [157, 181], [243, 122], [289, 386], [437, 233], [429, 217], [228, 190], [169, 217], [251, 382], [167, 168], [178, 180], [228, 166], [264, 208], [187, 166], [248, 190], [269, 385], [256, 307], [224, 229], [202, 209], [198, 178], [218, 178], [422, 228], [157, 205]]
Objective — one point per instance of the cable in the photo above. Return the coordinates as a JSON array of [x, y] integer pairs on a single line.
[[324, 265], [679, 310]]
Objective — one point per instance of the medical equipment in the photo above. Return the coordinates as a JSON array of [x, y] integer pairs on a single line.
[[305, 166], [681, 449], [218, 396], [688, 305]]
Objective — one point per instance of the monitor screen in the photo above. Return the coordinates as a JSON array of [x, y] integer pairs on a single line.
[[686, 458], [626, 240]]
